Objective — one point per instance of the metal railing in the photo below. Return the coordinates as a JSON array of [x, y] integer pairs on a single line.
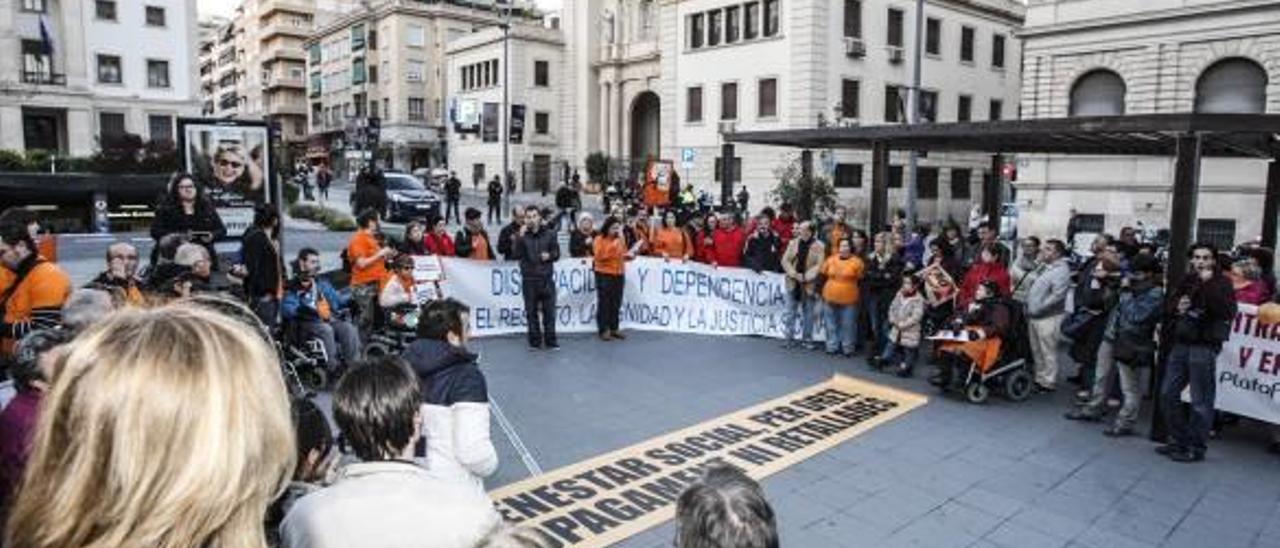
[[44, 78]]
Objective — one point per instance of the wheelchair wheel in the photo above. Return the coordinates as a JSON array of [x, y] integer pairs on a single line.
[[314, 378], [977, 393], [1017, 385], [376, 350]]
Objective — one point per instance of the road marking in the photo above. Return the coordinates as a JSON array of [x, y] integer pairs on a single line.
[[525, 455]]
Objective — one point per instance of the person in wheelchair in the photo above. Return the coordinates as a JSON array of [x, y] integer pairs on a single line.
[[312, 308], [976, 335]]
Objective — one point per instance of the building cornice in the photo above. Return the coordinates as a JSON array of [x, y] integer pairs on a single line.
[[1012, 12], [1142, 18]]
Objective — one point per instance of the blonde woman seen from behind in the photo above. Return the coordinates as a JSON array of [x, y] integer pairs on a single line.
[[163, 428]]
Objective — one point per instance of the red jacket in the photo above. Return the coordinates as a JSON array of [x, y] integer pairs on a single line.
[[439, 244], [702, 251], [785, 228], [979, 273], [729, 243]]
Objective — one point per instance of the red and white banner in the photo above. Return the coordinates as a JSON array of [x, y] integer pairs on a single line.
[[1248, 373]]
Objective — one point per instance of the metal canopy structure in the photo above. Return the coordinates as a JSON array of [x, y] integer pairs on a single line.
[[1185, 137]]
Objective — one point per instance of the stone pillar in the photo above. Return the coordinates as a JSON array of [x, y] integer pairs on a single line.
[[605, 117], [616, 127], [81, 132], [11, 128]]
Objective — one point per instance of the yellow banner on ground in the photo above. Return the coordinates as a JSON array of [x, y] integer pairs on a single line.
[[614, 496]]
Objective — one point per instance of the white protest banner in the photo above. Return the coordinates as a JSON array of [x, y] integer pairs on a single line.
[[1248, 368], [673, 296]]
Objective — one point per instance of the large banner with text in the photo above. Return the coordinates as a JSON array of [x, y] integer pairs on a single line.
[[661, 296], [1248, 373]]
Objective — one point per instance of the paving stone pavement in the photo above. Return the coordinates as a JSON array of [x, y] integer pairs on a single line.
[[947, 474]]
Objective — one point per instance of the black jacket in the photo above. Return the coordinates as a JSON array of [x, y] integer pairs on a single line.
[[495, 192], [447, 374], [528, 250], [566, 198], [462, 242], [1213, 308], [578, 246], [453, 189], [265, 269], [505, 237], [171, 219], [763, 253], [883, 278]]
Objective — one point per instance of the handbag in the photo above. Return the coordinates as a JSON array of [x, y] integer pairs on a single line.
[[1076, 323]]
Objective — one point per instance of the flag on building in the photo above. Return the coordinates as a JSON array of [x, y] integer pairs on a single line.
[[46, 37]]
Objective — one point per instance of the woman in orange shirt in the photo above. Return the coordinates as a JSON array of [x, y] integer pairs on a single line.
[[842, 272], [670, 241], [610, 253]]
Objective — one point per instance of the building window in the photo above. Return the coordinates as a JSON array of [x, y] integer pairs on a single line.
[[693, 112], [732, 25], [767, 99], [373, 74], [541, 74], [1090, 223], [751, 21], [713, 27], [361, 101], [413, 71], [696, 32], [736, 167], [315, 54], [964, 109], [357, 37], [157, 73], [417, 109], [109, 69], [105, 9], [1219, 232], [895, 176], [1232, 86], [893, 107], [37, 67], [928, 106], [997, 51], [542, 123], [960, 183], [895, 27], [155, 16], [160, 127], [37, 6], [933, 36], [357, 71], [111, 124], [997, 108], [416, 37], [316, 84], [853, 18], [1098, 93], [849, 92], [772, 18], [373, 108], [966, 44], [848, 176], [386, 108], [927, 183], [729, 101]]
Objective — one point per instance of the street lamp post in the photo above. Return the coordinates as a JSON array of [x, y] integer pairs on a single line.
[[506, 104], [913, 169]]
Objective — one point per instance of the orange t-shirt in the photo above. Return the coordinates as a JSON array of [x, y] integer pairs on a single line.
[[842, 280], [46, 286], [364, 245], [479, 247], [610, 255], [671, 241]]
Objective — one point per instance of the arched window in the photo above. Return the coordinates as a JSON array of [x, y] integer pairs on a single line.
[[1098, 93], [1232, 86]]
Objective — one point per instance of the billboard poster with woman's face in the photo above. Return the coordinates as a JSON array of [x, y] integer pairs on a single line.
[[232, 161]]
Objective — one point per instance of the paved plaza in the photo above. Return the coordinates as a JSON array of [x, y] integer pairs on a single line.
[[947, 474]]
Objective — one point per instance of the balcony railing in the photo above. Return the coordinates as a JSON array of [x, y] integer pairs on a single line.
[[44, 78]]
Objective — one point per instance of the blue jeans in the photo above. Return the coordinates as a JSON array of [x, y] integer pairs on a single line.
[[1189, 365], [802, 307], [842, 328], [897, 354], [878, 316]]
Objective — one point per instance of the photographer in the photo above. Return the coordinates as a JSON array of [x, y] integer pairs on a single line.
[[1199, 314]]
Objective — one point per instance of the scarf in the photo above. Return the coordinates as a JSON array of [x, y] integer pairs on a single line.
[[801, 260]]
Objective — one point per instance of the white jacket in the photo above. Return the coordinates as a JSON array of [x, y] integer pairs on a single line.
[[391, 504]]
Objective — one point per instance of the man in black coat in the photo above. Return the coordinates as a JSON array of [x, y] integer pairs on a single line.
[[537, 247], [508, 233], [452, 197], [495, 200], [264, 278], [1198, 316], [763, 251]]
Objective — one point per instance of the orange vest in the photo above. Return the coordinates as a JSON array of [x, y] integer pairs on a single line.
[[46, 286]]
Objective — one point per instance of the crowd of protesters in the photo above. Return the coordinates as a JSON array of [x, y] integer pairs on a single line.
[[202, 341]]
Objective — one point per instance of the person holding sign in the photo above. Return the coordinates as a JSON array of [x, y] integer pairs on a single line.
[[611, 254], [1198, 321], [537, 248]]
